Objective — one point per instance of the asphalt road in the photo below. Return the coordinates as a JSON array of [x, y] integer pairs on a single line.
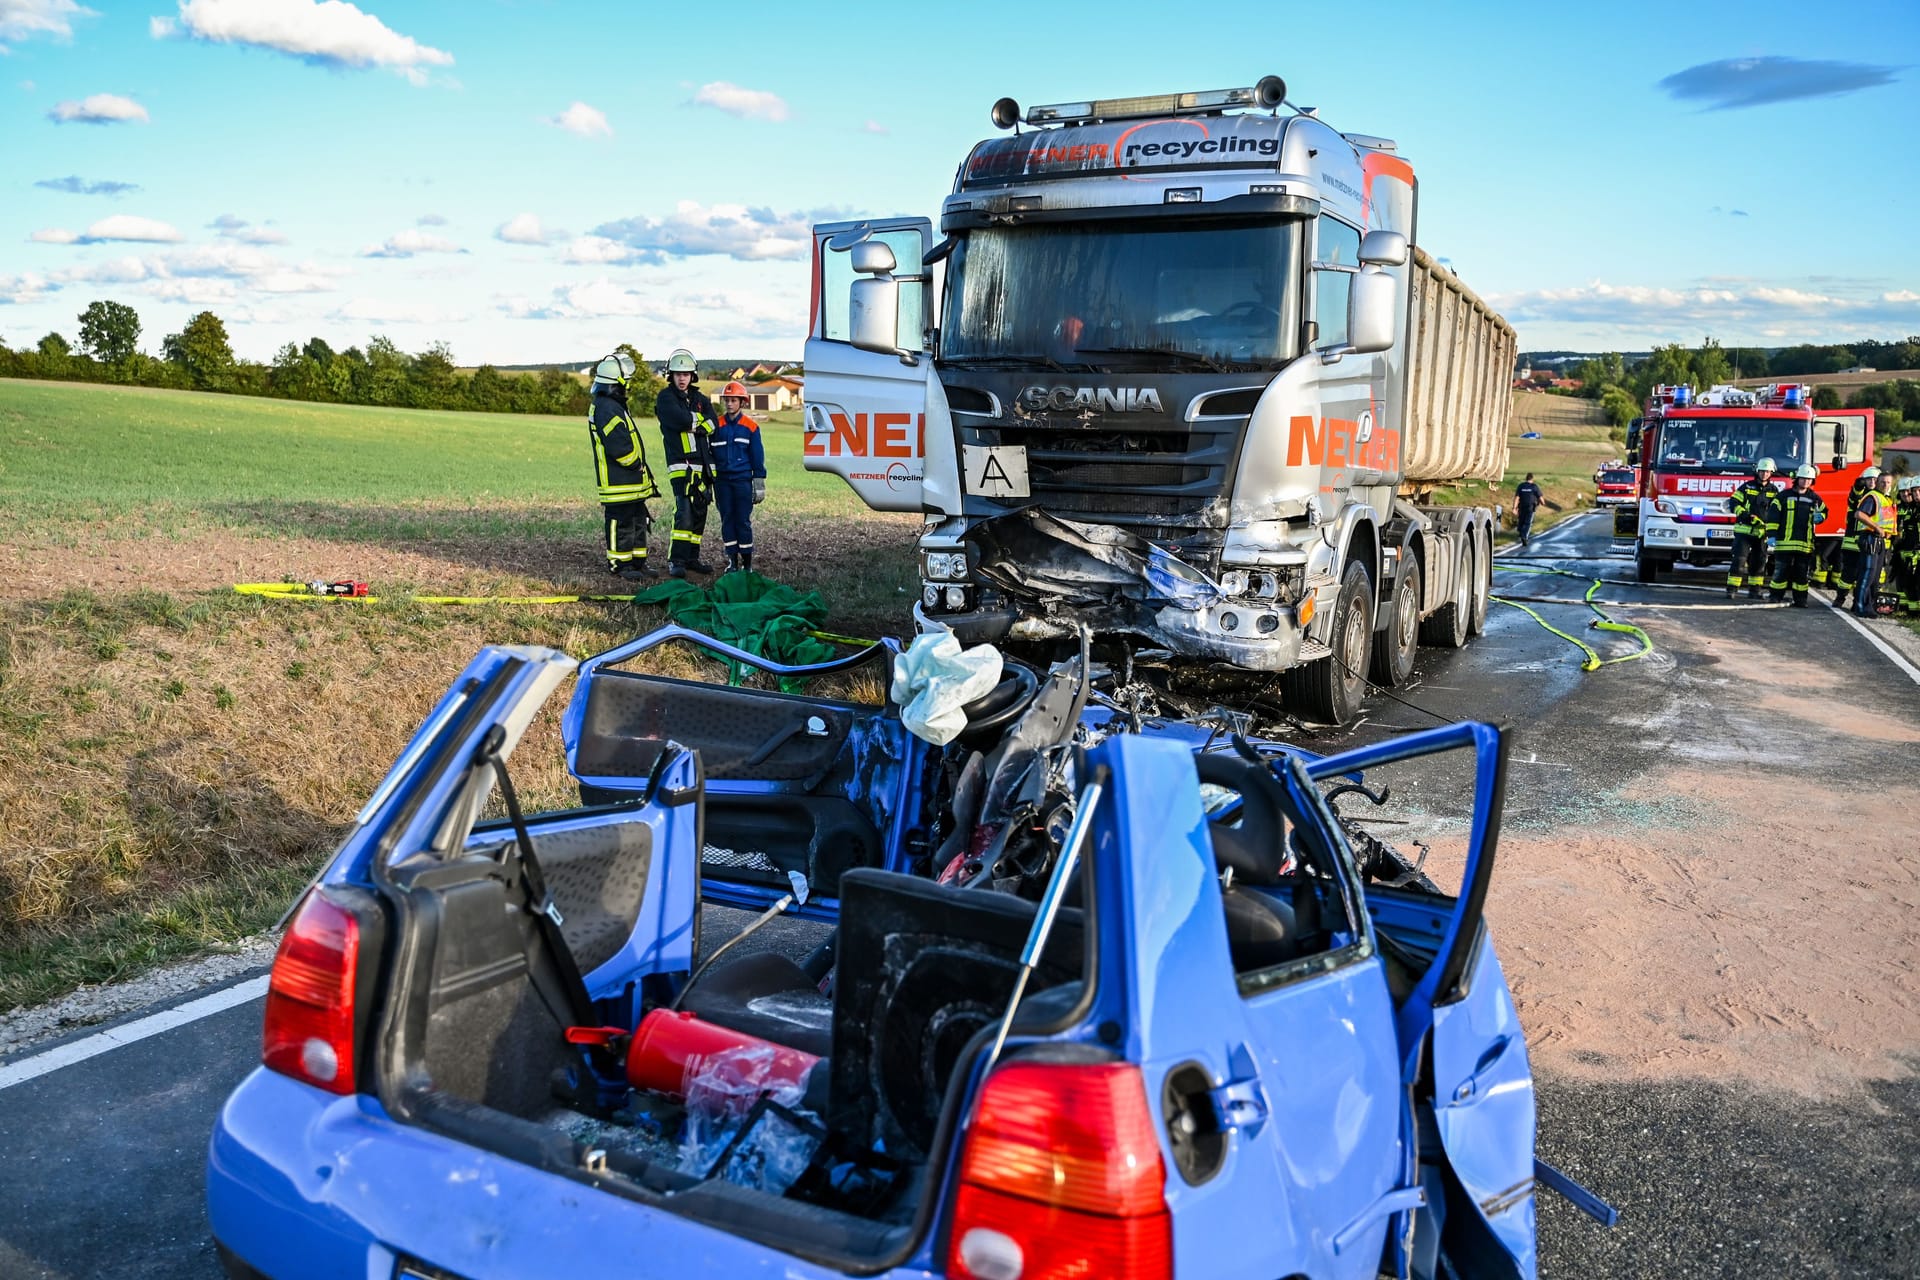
[[103, 1158]]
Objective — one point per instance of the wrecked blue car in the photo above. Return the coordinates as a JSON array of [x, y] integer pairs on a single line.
[[1080, 991]]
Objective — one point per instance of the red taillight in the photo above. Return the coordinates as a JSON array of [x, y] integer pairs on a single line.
[[1061, 1176], [309, 1023]]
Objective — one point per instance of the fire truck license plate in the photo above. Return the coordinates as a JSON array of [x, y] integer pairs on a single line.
[[996, 471], [1719, 533]]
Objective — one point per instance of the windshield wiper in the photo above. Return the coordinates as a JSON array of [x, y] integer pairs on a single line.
[[1006, 362], [1192, 357]]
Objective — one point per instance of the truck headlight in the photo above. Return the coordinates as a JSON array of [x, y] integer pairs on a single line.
[[937, 564], [956, 598], [930, 596], [1234, 582]]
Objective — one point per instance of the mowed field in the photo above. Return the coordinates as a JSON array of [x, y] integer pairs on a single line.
[[1573, 441], [176, 759]]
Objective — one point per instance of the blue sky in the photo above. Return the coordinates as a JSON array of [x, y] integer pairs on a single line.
[[533, 180]]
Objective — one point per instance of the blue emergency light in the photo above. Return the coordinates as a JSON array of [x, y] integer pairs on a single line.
[[1793, 397]]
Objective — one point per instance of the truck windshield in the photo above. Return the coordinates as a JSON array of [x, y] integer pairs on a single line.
[[1731, 444], [1174, 294], [1616, 477]]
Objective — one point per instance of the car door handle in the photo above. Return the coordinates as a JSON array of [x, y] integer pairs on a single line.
[[1467, 1090]]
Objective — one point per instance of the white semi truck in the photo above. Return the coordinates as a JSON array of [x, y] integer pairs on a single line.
[[1174, 368]]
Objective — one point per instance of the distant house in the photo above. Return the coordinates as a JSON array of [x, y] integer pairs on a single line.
[[773, 395], [1902, 457], [760, 371], [1565, 384]]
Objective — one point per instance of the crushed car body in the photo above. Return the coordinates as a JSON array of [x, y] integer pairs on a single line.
[[1097, 991]]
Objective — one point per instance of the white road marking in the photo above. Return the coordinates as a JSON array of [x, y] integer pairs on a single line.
[[1513, 549], [1893, 654], [39, 1064]]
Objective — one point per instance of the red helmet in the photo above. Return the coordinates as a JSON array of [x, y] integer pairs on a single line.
[[734, 389]]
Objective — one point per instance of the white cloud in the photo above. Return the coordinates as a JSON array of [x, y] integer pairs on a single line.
[[99, 108], [23, 19], [584, 120], [22, 289], [874, 126], [329, 32], [748, 104], [236, 228], [430, 220], [752, 235], [383, 311], [525, 228], [119, 227], [708, 315], [1734, 310], [598, 250], [406, 243], [54, 235]]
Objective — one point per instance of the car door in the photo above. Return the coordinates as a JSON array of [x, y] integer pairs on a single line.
[[794, 782], [1453, 1007], [866, 413]]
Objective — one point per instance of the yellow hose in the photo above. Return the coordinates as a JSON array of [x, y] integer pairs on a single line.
[[1603, 622]]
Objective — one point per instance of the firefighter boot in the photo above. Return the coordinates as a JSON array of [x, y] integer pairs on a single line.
[[746, 561], [733, 563], [676, 570]]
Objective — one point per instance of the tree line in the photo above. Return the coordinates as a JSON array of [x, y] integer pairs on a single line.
[[200, 358], [1622, 388]]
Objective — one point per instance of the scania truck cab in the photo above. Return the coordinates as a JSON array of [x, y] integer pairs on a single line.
[[1183, 379]]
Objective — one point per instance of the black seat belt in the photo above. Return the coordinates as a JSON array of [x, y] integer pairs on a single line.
[[550, 964]]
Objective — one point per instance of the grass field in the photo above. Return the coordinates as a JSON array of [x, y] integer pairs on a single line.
[[176, 759], [1573, 440]]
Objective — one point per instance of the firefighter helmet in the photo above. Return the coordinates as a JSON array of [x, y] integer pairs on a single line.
[[734, 391], [1807, 471], [1765, 464], [617, 369], [681, 361]]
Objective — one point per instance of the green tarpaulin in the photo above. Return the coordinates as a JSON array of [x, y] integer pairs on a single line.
[[764, 617]]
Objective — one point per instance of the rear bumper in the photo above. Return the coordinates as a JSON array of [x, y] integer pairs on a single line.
[[304, 1184]]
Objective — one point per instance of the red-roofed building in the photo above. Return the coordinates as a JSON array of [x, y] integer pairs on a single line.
[[1904, 450]]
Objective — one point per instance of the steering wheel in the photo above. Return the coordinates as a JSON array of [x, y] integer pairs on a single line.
[[1247, 311], [999, 706]]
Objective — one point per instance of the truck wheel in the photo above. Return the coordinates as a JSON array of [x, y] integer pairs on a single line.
[[1394, 644], [1330, 690], [1645, 567], [1482, 584], [1446, 627]]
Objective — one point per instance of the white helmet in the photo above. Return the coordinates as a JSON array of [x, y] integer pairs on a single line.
[[617, 368], [1765, 464], [1871, 473], [1807, 471], [681, 361]]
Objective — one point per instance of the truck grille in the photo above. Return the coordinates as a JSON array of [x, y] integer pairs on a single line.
[[1129, 477]]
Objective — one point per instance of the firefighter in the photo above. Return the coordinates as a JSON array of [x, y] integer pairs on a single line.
[[739, 475], [1853, 553], [686, 416], [1752, 505], [1827, 572], [1906, 546], [1878, 526], [1797, 514], [620, 468]]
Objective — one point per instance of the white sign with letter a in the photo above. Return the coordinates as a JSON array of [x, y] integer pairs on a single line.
[[996, 471]]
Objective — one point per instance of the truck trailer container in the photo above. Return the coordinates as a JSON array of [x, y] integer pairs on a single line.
[[1175, 369]]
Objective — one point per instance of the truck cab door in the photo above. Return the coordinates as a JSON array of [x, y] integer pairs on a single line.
[[865, 412], [1454, 1018]]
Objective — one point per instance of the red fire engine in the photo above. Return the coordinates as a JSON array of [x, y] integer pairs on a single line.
[[1695, 450]]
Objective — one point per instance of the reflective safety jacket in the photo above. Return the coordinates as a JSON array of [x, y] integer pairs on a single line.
[[737, 454], [1753, 504], [685, 418], [619, 456], [1849, 542], [1874, 515], [1796, 515]]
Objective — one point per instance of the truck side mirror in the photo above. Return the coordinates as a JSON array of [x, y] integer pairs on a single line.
[[1383, 249], [1370, 311], [873, 303]]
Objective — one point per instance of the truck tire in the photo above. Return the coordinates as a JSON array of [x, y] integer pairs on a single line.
[[1446, 627], [1330, 690], [1395, 644], [1482, 584], [1645, 567]]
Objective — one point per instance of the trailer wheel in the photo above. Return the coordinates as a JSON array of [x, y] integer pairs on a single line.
[[1330, 690], [1482, 584], [1446, 627], [1395, 643]]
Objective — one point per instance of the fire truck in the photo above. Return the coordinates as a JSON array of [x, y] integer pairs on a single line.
[[1694, 449]]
